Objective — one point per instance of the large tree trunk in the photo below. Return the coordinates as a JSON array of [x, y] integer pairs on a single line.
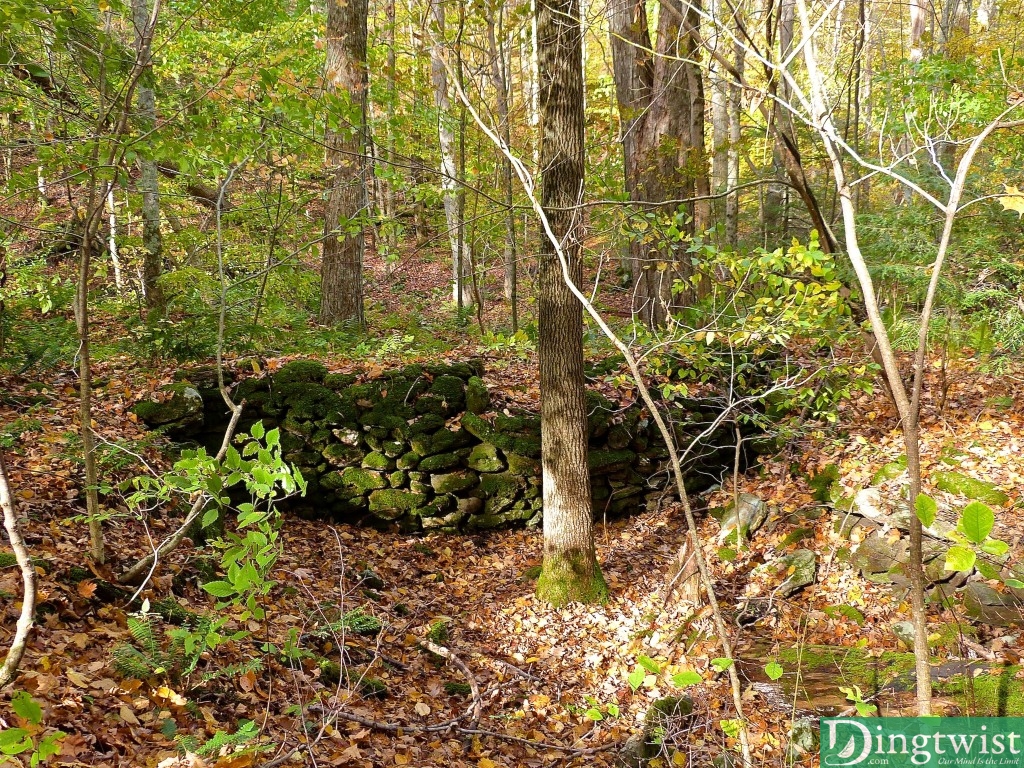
[[341, 275], [661, 107], [570, 571], [149, 182], [462, 289]]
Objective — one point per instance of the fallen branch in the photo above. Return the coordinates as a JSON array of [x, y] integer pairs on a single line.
[[28, 579], [474, 689]]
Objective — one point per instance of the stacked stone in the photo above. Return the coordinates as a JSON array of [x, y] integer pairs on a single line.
[[420, 447]]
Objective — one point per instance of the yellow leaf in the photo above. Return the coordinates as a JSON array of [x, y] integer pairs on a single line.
[[76, 678], [171, 695], [678, 758], [401, 759], [255, 365], [486, 762], [1013, 200]]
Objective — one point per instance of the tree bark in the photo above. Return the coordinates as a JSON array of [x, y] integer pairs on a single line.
[[570, 571], [149, 182], [499, 79], [9, 670], [462, 292], [341, 271], [661, 107]]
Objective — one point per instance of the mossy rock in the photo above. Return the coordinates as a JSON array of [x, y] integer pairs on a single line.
[[300, 371], [432, 405], [605, 462], [306, 400], [445, 522], [453, 482], [391, 503], [888, 472], [341, 455], [500, 490], [821, 483], [451, 390], [522, 465], [388, 417], [968, 487], [461, 370], [182, 411], [599, 414], [247, 389], [409, 460], [393, 449], [362, 480], [521, 425], [509, 443], [484, 458], [426, 424], [438, 462], [299, 427], [445, 440], [478, 397], [378, 461], [986, 605], [339, 381]]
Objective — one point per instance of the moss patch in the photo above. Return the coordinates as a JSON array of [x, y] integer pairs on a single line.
[[962, 485], [301, 371], [572, 577]]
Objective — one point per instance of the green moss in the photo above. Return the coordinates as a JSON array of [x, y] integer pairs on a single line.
[[451, 390], [980, 490], [392, 503], [609, 461], [571, 577], [889, 471], [457, 689], [306, 400], [362, 480], [339, 381], [821, 483], [438, 462], [388, 417], [522, 465], [996, 694], [478, 398], [343, 455], [378, 461], [517, 424], [398, 478], [484, 458], [453, 482], [427, 423], [301, 371], [408, 460]]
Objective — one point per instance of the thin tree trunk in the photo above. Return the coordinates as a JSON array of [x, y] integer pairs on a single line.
[[341, 275], [570, 572], [461, 290], [115, 259], [732, 201], [499, 80], [149, 182], [9, 670]]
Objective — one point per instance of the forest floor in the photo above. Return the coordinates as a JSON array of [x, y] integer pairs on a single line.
[[551, 686]]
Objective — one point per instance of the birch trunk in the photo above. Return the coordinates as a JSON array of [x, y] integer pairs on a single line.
[[462, 291]]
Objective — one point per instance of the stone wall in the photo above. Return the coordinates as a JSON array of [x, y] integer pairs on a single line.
[[423, 448]]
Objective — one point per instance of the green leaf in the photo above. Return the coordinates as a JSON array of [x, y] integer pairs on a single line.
[[925, 507], [977, 521], [219, 588], [686, 679], [995, 547], [731, 728], [649, 664], [721, 664], [774, 670], [14, 741], [26, 707], [594, 714], [636, 678], [1014, 583], [257, 430], [960, 559], [613, 710], [210, 517]]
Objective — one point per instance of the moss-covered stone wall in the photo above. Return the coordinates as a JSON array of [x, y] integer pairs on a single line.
[[422, 447]]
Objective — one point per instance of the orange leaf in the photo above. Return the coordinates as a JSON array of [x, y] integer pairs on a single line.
[[86, 588]]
